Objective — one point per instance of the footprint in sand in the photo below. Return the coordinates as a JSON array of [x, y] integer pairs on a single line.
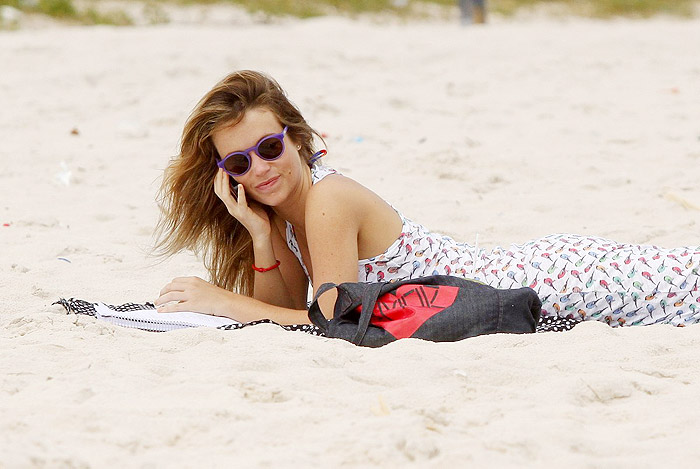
[[261, 393], [19, 268]]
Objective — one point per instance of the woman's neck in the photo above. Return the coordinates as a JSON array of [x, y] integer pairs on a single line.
[[293, 209]]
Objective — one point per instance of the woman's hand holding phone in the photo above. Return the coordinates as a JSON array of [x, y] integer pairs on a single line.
[[251, 214]]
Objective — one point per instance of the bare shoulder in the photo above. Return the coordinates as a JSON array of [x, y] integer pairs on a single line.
[[340, 208], [336, 191]]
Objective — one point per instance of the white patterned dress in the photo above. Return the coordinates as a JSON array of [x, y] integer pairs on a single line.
[[576, 277]]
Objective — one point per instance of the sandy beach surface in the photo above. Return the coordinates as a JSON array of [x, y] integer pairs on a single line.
[[511, 131]]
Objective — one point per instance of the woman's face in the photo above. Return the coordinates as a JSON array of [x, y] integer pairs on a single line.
[[268, 182]]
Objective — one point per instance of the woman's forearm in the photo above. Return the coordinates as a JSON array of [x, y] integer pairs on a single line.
[[198, 295], [269, 287], [245, 309]]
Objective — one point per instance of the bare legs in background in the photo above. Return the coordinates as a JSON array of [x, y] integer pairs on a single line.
[[472, 11]]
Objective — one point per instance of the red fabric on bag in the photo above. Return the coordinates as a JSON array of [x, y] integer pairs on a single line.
[[403, 312]]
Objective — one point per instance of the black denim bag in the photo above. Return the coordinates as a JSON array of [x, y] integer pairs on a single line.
[[438, 308]]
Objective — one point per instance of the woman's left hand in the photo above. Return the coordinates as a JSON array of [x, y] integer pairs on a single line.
[[196, 295]]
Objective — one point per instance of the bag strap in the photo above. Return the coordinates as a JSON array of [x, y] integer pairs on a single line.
[[315, 314], [369, 300]]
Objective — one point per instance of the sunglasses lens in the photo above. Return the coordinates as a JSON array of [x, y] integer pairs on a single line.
[[237, 164], [270, 148]]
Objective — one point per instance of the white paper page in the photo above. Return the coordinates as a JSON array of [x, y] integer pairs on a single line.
[[151, 315]]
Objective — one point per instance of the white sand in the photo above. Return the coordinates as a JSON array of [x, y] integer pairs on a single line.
[[513, 131]]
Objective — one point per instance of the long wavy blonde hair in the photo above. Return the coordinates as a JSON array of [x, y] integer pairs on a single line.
[[192, 216]]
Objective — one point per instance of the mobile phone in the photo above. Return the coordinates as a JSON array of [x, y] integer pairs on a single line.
[[234, 187]]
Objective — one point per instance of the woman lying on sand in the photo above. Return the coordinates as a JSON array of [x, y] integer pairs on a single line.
[[275, 220]]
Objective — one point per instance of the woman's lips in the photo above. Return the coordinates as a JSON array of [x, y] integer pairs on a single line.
[[267, 184]]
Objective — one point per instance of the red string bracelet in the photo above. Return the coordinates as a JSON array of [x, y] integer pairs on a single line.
[[266, 269]]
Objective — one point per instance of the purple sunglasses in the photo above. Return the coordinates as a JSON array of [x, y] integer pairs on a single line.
[[269, 148]]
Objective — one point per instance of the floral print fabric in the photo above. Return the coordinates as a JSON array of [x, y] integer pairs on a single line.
[[577, 277]]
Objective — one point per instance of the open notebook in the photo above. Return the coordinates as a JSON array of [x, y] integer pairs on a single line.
[[151, 320]]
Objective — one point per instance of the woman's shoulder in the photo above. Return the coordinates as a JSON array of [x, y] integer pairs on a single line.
[[340, 206], [334, 187], [338, 193]]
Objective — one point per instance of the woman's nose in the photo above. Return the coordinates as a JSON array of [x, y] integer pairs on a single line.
[[257, 164]]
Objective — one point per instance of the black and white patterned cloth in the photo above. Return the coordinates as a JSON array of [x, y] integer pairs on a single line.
[[76, 306], [556, 324], [73, 305]]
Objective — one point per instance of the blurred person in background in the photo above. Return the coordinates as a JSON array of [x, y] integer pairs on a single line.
[[472, 11]]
